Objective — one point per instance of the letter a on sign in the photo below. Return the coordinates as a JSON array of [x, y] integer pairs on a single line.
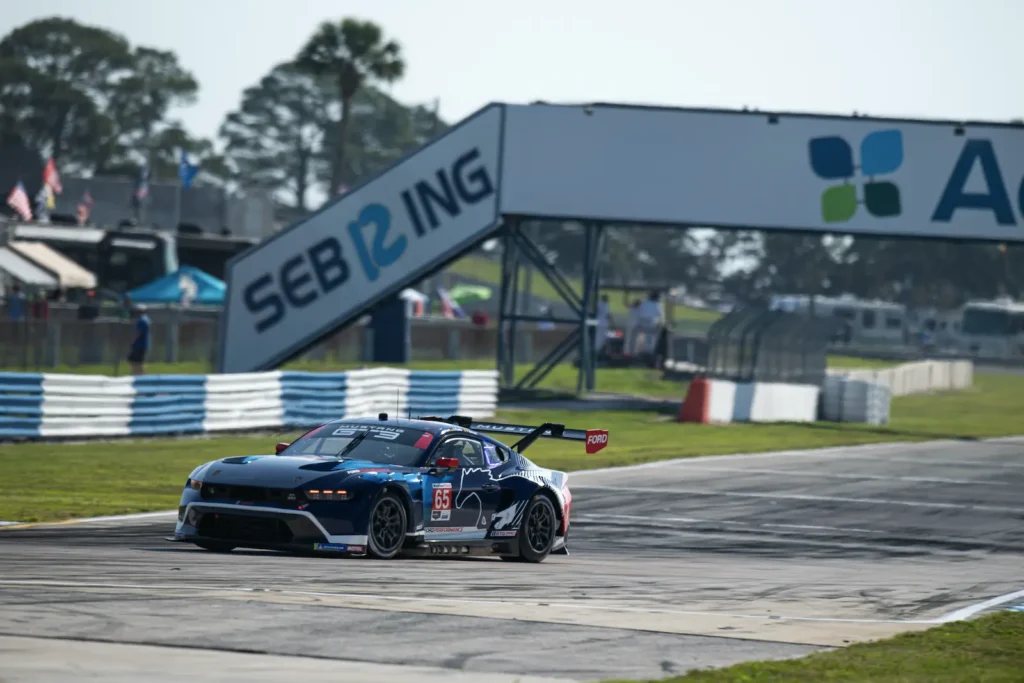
[[596, 440]]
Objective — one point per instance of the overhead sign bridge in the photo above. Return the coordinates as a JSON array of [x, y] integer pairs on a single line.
[[610, 164]]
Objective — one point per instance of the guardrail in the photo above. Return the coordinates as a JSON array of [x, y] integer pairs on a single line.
[[59, 406]]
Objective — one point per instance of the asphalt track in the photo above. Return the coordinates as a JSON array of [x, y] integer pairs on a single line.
[[693, 563]]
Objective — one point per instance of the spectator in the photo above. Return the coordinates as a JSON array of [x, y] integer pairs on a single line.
[[652, 317], [141, 343], [16, 304]]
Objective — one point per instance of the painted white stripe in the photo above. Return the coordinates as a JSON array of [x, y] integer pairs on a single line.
[[678, 524], [872, 450], [796, 496], [832, 451], [971, 610], [852, 476], [693, 520], [940, 461]]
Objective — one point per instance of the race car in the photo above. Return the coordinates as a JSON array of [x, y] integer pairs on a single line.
[[387, 487]]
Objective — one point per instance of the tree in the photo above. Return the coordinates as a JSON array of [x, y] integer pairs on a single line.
[[83, 95], [64, 75], [352, 53], [274, 139], [380, 131], [139, 102]]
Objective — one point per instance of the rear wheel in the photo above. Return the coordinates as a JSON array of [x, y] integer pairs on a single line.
[[386, 532], [539, 529], [215, 546]]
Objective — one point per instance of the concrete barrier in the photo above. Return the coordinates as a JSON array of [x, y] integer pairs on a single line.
[[918, 377], [717, 401], [42, 406], [866, 395]]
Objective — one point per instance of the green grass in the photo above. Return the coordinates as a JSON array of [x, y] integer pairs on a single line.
[[489, 272], [989, 649], [46, 481]]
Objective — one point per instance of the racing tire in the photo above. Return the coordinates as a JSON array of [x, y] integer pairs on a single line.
[[215, 547], [538, 531], [385, 533]]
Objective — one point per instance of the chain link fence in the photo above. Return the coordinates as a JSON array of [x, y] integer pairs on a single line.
[[760, 345]]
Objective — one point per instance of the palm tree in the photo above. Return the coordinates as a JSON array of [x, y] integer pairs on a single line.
[[351, 52]]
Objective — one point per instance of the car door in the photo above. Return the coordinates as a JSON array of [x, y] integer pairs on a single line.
[[459, 503]]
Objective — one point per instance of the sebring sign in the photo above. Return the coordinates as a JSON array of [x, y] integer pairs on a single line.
[[760, 171], [617, 164]]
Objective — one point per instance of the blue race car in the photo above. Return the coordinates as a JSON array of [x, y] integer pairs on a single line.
[[385, 487]]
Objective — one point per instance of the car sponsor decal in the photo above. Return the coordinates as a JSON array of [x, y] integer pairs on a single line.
[[388, 433], [340, 547], [441, 502], [596, 440], [497, 533]]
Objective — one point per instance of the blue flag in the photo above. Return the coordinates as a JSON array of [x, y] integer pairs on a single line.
[[187, 171]]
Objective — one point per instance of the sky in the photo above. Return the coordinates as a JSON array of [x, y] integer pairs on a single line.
[[907, 58]]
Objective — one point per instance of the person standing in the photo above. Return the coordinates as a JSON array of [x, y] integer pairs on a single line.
[[16, 304], [652, 316], [141, 342]]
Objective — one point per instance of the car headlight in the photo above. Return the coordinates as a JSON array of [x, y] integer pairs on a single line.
[[193, 484], [328, 494]]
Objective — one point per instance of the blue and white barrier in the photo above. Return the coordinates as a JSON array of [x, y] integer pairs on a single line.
[[34, 406]]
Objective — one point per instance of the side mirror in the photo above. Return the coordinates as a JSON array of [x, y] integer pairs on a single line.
[[280, 447], [444, 463]]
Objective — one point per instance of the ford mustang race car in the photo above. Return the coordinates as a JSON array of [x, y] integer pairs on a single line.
[[385, 487]]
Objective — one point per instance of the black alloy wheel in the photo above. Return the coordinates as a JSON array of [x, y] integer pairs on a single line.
[[386, 532]]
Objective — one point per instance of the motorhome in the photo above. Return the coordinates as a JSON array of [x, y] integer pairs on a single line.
[[866, 322], [992, 329]]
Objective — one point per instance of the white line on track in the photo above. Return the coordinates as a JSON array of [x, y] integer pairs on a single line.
[[797, 496], [956, 615], [851, 476]]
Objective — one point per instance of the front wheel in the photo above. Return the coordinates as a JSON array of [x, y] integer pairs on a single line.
[[386, 532], [540, 526]]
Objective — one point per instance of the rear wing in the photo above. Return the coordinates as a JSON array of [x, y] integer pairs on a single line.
[[595, 439]]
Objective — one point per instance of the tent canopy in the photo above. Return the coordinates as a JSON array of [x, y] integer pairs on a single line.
[[69, 274], [170, 289], [24, 271]]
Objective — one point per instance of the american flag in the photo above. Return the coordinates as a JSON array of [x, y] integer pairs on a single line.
[[18, 200], [51, 177]]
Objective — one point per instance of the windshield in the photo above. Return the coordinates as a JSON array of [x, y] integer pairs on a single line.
[[987, 322], [374, 443]]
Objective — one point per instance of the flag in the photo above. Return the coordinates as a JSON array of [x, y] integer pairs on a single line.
[[142, 187], [45, 200], [51, 178], [84, 208], [449, 307], [18, 200], [187, 171]]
